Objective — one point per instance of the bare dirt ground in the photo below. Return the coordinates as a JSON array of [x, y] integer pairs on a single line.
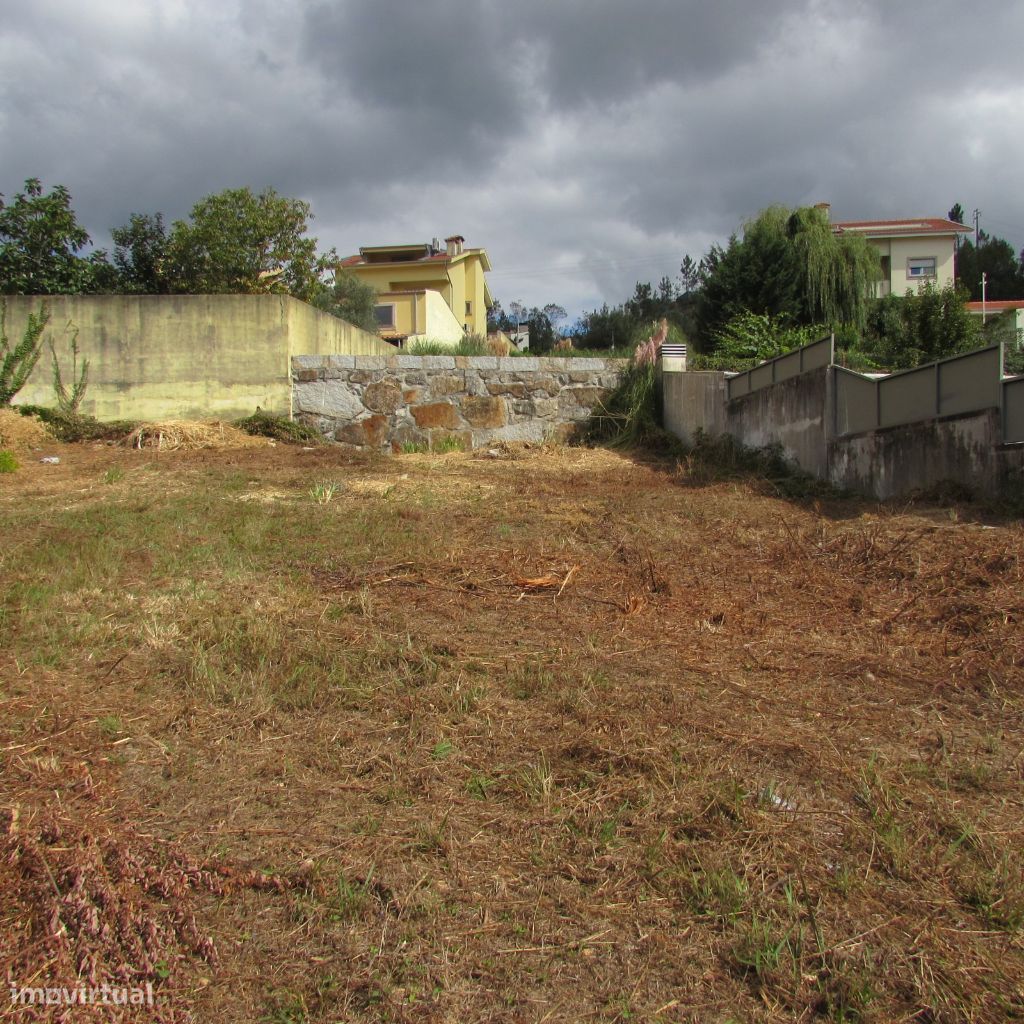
[[559, 736]]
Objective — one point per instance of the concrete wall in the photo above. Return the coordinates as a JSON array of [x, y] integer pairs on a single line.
[[694, 401], [441, 323], [182, 356], [387, 402], [798, 414], [791, 413], [891, 462]]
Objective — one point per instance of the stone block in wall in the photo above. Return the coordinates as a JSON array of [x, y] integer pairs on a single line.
[[306, 375], [385, 396], [582, 363], [412, 395], [407, 433], [515, 389], [337, 361], [414, 377], [478, 362], [545, 408], [518, 363], [525, 430], [484, 412], [327, 398], [431, 362], [525, 407], [363, 376], [435, 414], [541, 384], [306, 363], [588, 397], [564, 433], [371, 362], [447, 384], [609, 380]]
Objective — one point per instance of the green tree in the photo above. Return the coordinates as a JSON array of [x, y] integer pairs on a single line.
[[788, 263], [349, 299], [40, 239], [238, 241], [920, 327], [140, 255], [995, 258]]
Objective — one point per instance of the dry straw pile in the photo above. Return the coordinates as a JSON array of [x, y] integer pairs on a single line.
[[183, 435], [22, 433]]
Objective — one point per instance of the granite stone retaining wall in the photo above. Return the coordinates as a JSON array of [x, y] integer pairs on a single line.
[[395, 400]]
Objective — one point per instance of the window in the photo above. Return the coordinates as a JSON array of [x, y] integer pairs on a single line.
[[469, 308], [385, 315], [921, 267]]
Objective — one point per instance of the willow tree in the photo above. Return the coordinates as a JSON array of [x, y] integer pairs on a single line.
[[789, 264], [838, 270]]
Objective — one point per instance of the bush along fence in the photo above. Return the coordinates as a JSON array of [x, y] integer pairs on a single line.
[[954, 420], [403, 402]]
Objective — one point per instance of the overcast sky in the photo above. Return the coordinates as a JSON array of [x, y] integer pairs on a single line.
[[586, 144]]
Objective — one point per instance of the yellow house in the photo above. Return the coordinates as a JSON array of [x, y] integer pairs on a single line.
[[426, 291], [913, 251]]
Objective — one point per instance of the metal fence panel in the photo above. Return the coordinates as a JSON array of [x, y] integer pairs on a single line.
[[762, 376], [800, 360], [856, 402], [907, 397], [1013, 410], [970, 382]]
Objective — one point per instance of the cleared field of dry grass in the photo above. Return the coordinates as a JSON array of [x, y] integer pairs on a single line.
[[302, 736]]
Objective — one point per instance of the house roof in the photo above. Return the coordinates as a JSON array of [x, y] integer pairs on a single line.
[[889, 228], [389, 255], [995, 305]]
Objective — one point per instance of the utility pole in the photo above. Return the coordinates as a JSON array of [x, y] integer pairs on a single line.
[[977, 229], [984, 284]]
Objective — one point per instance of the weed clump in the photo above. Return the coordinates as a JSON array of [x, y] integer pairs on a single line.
[[279, 428], [8, 463], [69, 426]]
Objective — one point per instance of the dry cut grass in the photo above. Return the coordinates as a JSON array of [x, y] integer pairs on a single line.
[[555, 736]]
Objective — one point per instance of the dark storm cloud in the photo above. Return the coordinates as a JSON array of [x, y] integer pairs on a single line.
[[586, 143]]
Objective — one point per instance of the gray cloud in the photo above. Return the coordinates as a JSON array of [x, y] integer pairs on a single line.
[[586, 144]]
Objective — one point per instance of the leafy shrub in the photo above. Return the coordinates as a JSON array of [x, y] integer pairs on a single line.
[[760, 336], [631, 413], [280, 428], [70, 427], [17, 363], [8, 463]]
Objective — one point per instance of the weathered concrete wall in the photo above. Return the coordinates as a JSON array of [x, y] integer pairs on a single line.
[[693, 401], [890, 462], [791, 414], [386, 402], [182, 356], [893, 461]]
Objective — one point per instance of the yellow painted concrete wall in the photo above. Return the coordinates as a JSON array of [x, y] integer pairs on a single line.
[[183, 356], [442, 324]]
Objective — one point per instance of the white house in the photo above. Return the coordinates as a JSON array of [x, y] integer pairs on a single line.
[[913, 251]]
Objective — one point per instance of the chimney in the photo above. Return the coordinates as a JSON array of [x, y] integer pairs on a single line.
[[826, 208], [454, 243]]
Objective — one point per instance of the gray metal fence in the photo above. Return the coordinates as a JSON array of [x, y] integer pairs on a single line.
[[1013, 410], [800, 360], [961, 384]]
